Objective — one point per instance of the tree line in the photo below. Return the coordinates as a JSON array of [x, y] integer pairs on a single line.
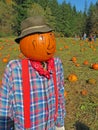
[[64, 17]]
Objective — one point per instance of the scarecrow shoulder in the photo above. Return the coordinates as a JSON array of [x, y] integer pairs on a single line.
[[14, 64]]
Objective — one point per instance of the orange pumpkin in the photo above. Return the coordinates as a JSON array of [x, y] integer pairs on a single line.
[[66, 47], [38, 47], [61, 49], [65, 94], [5, 60], [74, 59], [95, 66], [72, 78], [77, 64], [86, 62], [84, 92], [20, 56]]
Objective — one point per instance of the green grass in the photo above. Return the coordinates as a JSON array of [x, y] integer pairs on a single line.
[[79, 108]]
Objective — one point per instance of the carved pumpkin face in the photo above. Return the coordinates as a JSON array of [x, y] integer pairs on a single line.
[[38, 47]]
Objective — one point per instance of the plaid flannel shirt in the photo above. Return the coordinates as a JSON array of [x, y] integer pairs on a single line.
[[42, 107]]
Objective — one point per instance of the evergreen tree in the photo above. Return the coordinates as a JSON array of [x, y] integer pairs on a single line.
[[21, 13], [54, 7], [92, 19], [6, 18], [64, 18], [43, 3]]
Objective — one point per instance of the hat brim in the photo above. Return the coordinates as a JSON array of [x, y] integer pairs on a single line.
[[33, 31]]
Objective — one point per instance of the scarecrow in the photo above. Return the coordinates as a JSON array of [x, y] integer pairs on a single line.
[[32, 91]]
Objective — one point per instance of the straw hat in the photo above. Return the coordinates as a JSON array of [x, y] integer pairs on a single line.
[[31, 25]]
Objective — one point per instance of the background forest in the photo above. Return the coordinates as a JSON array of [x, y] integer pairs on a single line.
[[64, 18]]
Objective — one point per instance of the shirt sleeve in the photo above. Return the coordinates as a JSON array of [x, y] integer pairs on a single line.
[[5, 94], [61, 99]]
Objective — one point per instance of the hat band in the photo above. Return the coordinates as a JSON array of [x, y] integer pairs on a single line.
[[33, 28]]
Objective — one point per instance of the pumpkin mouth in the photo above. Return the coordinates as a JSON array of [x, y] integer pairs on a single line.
[[51, 50], [49, 53]]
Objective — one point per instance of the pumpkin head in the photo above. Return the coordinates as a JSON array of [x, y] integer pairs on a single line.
[[39, 46]]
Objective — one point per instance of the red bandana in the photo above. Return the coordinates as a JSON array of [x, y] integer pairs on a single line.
[[44, 72]]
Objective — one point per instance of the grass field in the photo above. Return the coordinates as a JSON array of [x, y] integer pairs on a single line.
[[82, 94]]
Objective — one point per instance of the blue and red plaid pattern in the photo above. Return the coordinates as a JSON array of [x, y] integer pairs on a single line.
[[42, 107], [6, 123]]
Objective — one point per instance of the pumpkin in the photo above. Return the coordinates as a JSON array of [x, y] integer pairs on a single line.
[[86, 62], [20, 56], [61, 49], [38, 47], [77, 64], [92, 81], [74, 59], [84, 92], [66, 47], [95, 66], [72, 78], [65, 94], [5, 60]]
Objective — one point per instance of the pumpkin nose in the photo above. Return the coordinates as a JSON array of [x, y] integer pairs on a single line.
[[51, 48]]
